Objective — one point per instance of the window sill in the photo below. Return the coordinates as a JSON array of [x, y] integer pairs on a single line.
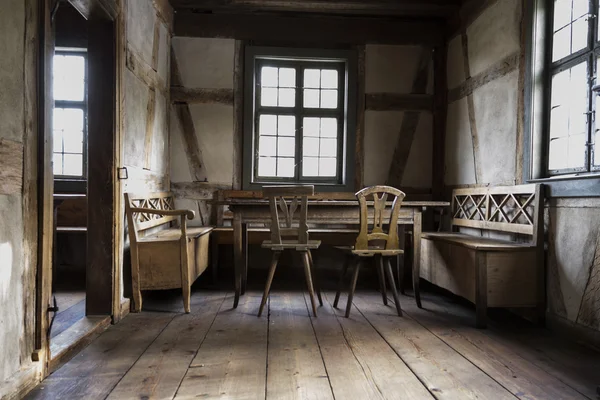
[[573, 185], [62, 185]]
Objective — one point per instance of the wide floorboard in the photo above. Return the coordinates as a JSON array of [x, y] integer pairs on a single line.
[[217, 352]]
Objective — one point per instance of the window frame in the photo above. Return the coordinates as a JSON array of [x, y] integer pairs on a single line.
[[71, 183], [538, 32], [346, 61]]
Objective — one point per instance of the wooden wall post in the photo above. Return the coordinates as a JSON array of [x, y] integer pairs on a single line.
[[101, 241], [440, 110]]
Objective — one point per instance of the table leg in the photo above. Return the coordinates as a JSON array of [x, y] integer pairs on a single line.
[[237, 255], [416, 257], [244, 257]]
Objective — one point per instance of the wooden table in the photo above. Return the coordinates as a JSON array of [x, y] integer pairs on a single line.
[[320, 212]]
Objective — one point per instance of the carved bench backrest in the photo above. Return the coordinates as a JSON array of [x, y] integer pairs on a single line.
[[144, 221], [512, 209]]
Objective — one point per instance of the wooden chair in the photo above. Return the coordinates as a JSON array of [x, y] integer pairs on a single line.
[[296, 238], [375, 242]]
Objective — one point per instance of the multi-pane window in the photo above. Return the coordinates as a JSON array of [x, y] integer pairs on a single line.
[[575, 52], [299, 120], [70, 115]]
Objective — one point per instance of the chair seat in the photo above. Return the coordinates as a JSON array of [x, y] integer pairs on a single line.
[[291, 244], [373, 250], [477, 242], [174, 234]]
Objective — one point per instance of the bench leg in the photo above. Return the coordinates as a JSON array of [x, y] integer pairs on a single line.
[[382, 288], [481, 290], [341, 281]]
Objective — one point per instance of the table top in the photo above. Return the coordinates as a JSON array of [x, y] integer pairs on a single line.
[[337, 203]]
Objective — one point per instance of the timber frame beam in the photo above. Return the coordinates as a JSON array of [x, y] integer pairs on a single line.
[[92, 9], [327, 30], [438, 8]]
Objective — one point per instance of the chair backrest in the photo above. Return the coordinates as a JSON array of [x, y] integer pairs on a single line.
[[143, 221], [287, 200], [376, 219], [511, 209]]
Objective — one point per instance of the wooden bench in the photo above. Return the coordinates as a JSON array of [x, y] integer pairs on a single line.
[[163, 256], [491, 271]]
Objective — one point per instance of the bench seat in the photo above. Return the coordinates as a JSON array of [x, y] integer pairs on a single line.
[[477, 242], [174, 234]]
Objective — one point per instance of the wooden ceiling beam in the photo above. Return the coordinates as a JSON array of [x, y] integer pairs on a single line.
[[437, 8], [96, 9], [311, 29]]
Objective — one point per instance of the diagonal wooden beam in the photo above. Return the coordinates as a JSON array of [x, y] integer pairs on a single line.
[[410, 122], [184, 115], [151, 108]]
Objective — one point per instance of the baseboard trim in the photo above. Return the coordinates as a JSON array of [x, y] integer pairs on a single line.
[[573, 331]]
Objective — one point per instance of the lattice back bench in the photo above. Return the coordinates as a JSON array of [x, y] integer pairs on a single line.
[[164, 254], [487, 271]]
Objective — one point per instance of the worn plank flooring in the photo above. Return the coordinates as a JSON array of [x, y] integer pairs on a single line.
[[217, 352]]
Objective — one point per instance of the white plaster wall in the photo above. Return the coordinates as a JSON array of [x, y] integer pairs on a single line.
[[390, 68], [381, 135], [205, 62], [12, 314], [455, 63], [494, 35], [495, 107], [418, 171], [13, 271], [180, 168], [575, 233], [208, 64], [214, 130], [460, 164], [135, 110], [141, 17], [11, 69]]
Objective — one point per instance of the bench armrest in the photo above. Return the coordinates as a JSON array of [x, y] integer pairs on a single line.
[[188, 213]]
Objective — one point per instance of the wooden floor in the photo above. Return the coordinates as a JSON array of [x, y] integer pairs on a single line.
[[217, 352]]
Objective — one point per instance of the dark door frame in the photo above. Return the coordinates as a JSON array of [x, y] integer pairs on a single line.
[[103, 141]]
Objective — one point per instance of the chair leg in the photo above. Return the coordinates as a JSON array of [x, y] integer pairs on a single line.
[[400, 261], [274, 261], [352, 287], [315, 278], [309, 282], [393, 286], [382, 288], [341, 282]]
